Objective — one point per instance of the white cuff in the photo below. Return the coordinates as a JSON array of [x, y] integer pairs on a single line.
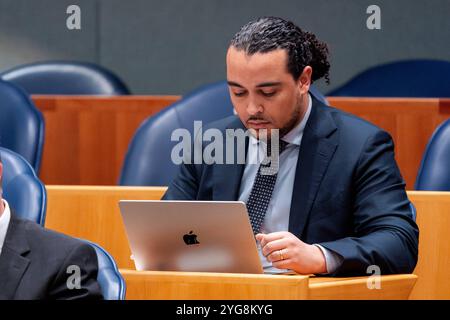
[[332, 259]]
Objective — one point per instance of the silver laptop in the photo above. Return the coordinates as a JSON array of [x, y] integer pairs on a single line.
[[206, 236]]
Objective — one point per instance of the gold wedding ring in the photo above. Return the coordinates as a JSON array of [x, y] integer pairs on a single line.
[[281, 254]]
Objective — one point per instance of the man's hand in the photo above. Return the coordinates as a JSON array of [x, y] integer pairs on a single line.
[[286, 251]]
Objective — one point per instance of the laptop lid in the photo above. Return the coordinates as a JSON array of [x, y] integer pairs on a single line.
[[204, 236]]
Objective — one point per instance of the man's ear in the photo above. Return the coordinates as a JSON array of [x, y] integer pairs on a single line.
[[304, 81]]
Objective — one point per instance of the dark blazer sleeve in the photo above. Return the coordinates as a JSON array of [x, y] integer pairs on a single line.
[[385, 234], [84, 257], [185, 185]]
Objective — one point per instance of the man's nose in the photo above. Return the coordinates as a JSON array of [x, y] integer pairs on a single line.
[[254, 107]]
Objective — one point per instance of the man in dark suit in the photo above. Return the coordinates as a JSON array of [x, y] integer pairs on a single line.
[[337, 203], [36, 263]]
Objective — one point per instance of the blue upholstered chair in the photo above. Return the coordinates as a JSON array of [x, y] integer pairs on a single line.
[[67, 78], [22, 188], [21, 124], [410, 78], [109, 277], [148, 160], [434, 172]]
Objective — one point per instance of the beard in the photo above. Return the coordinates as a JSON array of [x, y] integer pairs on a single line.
[[297, 115]]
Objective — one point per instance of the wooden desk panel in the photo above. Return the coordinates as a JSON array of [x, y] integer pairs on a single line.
[[86, 137], [156, 285], [396, 287], [93, 213], [433, 219], [221, 286]]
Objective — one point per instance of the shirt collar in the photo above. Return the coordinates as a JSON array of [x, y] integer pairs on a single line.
[[295, 135], [4, 223]]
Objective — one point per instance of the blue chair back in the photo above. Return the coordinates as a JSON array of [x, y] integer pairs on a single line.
[[21, 124], [22, 189], [148, 159], [434, 171], [109, 278], [410, 78], [67, 78]]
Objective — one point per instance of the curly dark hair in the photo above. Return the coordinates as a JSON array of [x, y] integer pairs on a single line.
[[270, 33]]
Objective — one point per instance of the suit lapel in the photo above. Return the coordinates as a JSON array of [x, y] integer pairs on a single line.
[[318, 146], [13, 263], [227, 177]]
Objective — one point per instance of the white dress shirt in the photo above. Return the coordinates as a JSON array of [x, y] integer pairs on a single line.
[[4, 223], [277, 214]]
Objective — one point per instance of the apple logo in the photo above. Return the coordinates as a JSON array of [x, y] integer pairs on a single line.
[[190, 238]]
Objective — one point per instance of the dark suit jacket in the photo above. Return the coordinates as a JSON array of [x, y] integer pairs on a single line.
[[34, 263], [348, 193]]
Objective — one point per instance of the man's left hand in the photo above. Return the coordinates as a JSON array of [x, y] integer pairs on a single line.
[[286, 251]]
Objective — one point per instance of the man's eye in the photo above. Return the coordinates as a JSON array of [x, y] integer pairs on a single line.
[[239, 94], [268, 94]]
